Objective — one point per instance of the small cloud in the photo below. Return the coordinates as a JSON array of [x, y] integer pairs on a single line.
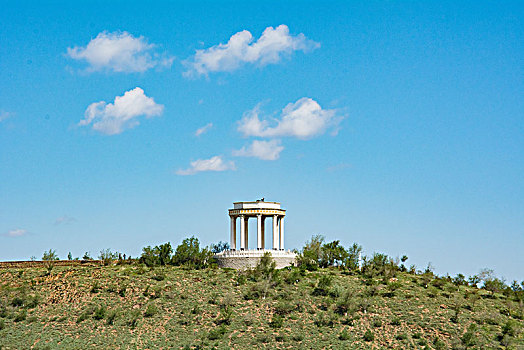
[[16, 232], [114, 118], [303, 119], [64, 220], [265, 150], [4, 115], [203, 129], [120, 52], [240, 49], [215, 163]]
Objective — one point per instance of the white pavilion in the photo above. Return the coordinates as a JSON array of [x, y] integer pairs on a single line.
[[239, 255]]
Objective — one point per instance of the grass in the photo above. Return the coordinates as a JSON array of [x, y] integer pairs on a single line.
[[101, 307]]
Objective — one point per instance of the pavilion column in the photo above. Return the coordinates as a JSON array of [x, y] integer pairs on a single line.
[[233, 240], [259, 232], [246, 223], [281, 233], [263, 232], [242, 233], [275, 232]]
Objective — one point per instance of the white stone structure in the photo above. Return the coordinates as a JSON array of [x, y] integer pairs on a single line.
[[239, 256]]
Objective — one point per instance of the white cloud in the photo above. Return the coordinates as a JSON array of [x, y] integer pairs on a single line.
[[215, 163], [64, 220], [120, 52], [4, 115], [203, 129], [266, 150], [303, 119], [114, 118], [269, 48], [16, 232]]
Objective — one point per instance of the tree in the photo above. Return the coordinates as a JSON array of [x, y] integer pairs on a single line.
[[402, 266], [494, 285], [148, 257], [87, 256], [460, 280], [158, 255], [107, 256], [266, 275], [164, 252], [310, 256], [266, 267], [486, 275], [474, 281], [49, 258], [69, 256], [189, 254], [50, 255], [219, 247], [352, 258], [332, 254]]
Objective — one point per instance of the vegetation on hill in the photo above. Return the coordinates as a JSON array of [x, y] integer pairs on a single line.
[[182, 300]]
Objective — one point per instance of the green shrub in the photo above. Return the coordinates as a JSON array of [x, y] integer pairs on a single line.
[[32, 301], [2, 324], [348, 321], [150, 311], [217, 333], [95, 288], [377, 323], [111, 316], [277, 321], [17, 302], [344, 335], [21, 316], [249, 319], [284, 308], [468, 338], [132, 322], [323, 285], [262, 338], [159, 276], [100, 312], [509, 328], [322, 321], [439, 344], [395, 321], [298, 336], [293, 276], [369, 336], [402, 336], [83, 316], [196, 310], [265, 268]]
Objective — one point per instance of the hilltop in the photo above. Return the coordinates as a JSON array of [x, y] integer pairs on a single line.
[[131, 306]]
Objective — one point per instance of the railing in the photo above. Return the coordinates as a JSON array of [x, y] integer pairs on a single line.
[[253, 253]]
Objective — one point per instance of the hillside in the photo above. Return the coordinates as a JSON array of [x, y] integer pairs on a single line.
[[134, 307]]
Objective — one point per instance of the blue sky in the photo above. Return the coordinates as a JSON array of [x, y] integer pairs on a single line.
[[397, 125]]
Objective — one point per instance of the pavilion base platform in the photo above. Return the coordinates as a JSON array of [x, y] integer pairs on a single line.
[[243, 259]]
